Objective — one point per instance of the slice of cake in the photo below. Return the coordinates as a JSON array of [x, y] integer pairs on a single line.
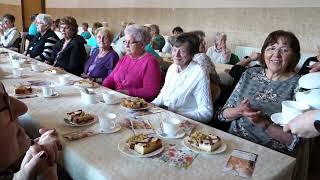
[[79, 117], [144, 144], [22, 89], [134, 103], [205, 142]]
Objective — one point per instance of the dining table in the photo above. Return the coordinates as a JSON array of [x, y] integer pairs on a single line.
[[100, 157]]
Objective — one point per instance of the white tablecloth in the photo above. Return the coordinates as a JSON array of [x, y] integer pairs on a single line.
[[98, 157]]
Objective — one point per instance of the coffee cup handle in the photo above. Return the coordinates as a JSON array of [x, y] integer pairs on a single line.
[[114, 125]]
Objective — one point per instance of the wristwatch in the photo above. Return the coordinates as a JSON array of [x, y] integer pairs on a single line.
[[317, 122]]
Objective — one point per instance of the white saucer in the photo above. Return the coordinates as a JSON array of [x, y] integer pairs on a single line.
[[180, 134], [116, 101], [277, 118], [113, 130], [55, 94], [64, 84]]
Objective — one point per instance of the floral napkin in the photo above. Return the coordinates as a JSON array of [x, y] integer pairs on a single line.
[[75, 135], [179, 157]]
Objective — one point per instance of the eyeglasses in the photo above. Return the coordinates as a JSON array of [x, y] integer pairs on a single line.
[[6, 99], [130, 43], [281, 50]]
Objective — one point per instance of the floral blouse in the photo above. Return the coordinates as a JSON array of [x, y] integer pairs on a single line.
[[266, 96]]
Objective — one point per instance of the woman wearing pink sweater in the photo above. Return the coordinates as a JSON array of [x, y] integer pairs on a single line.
[[138, 72]]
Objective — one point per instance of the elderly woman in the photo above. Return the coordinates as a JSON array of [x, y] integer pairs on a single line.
[[186, 90], [219, 53], [103, 59], [138, 72], [9, 35], [69, 53], [157, 40], [260, 92], [41, 45], [39, 159], [204, 61]]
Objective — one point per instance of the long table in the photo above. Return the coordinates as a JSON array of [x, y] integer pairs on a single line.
[[98, 157]]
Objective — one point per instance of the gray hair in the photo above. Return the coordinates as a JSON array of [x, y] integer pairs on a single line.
[[45, 19], [219, 36], [138, 32], [105, 32]]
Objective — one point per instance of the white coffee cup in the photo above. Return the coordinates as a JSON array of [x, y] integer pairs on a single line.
[[89, 98], [16, 63], [108, 97], [17, 72], [35, 67], [107, 121], [47, 91], [64, 79], [171, 126], [291, 109]]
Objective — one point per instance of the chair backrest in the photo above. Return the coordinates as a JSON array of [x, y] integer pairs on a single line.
[[88, 49], [23, 42], [234, 59]]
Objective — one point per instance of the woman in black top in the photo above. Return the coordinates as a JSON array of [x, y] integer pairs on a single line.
[[41, 45], [69, 53]]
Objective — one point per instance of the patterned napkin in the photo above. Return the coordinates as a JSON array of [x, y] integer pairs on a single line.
[[179, 157], [137, 125], [144, 112], [79, 134]]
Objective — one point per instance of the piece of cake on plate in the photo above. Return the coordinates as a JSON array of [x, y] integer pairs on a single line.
[[134, 103], [79, 117], [23, 89], [205, 142], [144, 144]]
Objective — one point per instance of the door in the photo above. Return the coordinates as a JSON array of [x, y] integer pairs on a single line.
[[29, 7]]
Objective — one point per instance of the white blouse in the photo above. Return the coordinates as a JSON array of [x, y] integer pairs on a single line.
[[217, 57], [187, 93]]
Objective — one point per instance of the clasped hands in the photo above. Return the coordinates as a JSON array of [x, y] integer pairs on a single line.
[[256, 117], [41, 158]]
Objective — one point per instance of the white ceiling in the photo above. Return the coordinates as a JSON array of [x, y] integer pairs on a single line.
[[173, 3], [179, 3]]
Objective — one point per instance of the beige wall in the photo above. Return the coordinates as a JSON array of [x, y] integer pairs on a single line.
[[14, 10], [244, 26]]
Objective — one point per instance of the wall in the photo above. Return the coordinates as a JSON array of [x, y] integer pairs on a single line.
[[244, 26], [15, 9]]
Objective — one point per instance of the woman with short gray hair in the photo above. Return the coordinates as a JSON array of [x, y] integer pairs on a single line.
[[102, 60], [219, 53], [138, 72], [41, 46]]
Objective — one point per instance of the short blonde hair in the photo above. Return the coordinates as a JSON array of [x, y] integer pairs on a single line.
[[105, 32], [219, 36]]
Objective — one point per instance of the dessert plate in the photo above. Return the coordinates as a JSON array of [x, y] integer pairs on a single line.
[[221, 149], [137, 109], [277, 118], [123, 147], [69, 123]]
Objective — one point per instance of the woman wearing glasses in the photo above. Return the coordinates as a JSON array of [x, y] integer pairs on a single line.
[[39, 159], [260, 92], [69, 53], [9, 35], [138, 72]]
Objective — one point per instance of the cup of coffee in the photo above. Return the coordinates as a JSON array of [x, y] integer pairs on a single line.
[[107, 121], [64, 79], [48, 91], [108, 97], [35, 67], [17, 72], [88, 97], [291, 109], [171, 126]]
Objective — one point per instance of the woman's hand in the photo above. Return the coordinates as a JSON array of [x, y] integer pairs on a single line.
[[50, 143], [83, 75], [315, 67], [34, 164], [124, 91]]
